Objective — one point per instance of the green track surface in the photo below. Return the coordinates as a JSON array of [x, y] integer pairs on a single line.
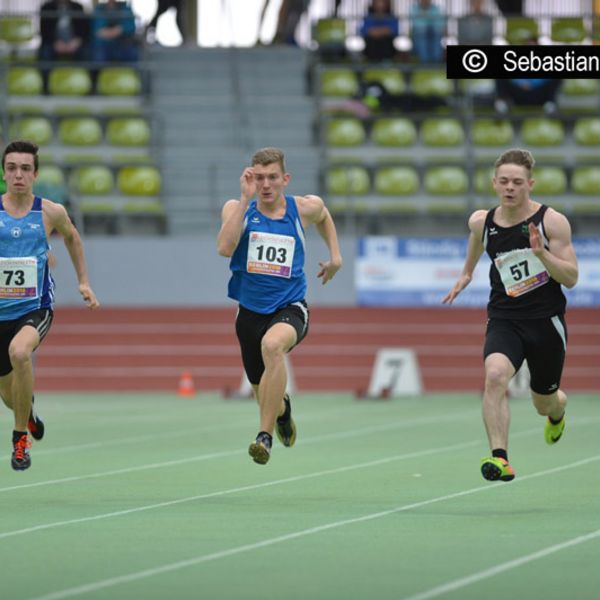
[[155, 497]]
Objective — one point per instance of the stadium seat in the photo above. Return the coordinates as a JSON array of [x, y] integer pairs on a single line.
[[347, 181], [446, 181], [128, 131], [24, 81], [396, 181], [96, 180], [549, 181], [50, 183], [542, 131], [431, 82], [80, 131], [118, 81], [69, 81], [521, 30], [568, 30], [442, 132], [330, 34], [16, 29], [392, 131], [50, 174], [339, 83], [37, 129], [580, 87], [391, 79], [492, 132], [586, 131], [139, 181], [586, 181], [344, 132], [482, 181]]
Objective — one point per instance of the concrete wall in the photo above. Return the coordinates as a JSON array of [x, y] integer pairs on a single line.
[[181, 272]]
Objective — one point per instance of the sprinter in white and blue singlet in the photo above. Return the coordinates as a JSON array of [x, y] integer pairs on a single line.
[[27, 288], [532, 256], [264, 234]]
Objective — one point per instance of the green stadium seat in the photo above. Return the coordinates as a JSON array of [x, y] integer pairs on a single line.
[[391, 79], [542, 131], [580, 87], [139, 181], [50, 183], [431, 82], [330, 33], [549, 181], [128, 131], [446, 181], [347, 181], [36, 129], [442, 132], [16, 29], [521, 30], [568, 30], [96, 180], [80, 131], [586, 131], [586, 181], [69, 81], [345, 132], [396, 180], [24, 81], [492, 132], [394, 131], [118, 81], [339, 83], [482, 181], [50, 174]]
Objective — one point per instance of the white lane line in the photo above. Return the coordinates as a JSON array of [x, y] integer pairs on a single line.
[[457, 584], [255, 486], [197, 560], [405, 424]]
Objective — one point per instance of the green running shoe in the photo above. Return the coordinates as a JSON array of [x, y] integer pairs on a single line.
[[260, 449], [285, 426], [494, 468], [553, 431]]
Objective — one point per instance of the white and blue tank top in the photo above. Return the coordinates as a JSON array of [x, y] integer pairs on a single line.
[[25, 281], [268, 264]]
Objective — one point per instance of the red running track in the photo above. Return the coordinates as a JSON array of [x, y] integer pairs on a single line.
[[148, 349]]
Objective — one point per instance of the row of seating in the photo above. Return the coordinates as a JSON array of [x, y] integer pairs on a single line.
[[451, 180], [74, 81], [82, 131], [518, 30], [344, 82], [451, 131]]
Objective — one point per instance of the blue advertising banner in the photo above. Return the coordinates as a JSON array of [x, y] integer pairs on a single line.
[[394, 271]]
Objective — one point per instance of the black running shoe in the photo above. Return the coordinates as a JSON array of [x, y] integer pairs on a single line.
[[35, 425], [20, 459], [260, 448], [285, 427]]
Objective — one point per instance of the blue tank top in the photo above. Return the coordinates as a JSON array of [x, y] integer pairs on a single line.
[[25, 281], [268, 264]]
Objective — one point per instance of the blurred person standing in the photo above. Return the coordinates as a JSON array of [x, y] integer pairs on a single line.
[[162, 7], [27, 287], [264, 235], [532, 256]]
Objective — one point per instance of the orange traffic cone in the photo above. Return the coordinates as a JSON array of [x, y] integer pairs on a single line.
[[186, 385]]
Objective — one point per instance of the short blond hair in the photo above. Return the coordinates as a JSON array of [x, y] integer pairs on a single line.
[[516, 156], [269, 156]]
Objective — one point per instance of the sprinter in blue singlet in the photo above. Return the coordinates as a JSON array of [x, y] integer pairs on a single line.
[[27, 288], [264, 234]]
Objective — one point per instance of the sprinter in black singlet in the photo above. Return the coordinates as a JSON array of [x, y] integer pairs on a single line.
[[532, 257]]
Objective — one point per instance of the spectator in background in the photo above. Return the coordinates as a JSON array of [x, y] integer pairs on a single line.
[[290, 13], [64, 29], [527, 92], [427, 28], [477, 27], [510, 8], [113, 33], [162, 7], [379, 29]]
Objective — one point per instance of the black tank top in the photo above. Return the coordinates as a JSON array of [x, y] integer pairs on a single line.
[[544, 298]]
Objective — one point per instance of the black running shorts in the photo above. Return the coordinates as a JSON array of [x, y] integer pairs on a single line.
[[251, 326], [542, 342]]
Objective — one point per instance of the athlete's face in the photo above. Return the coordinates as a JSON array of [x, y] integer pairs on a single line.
[[512, 184], [270, 182], [19, 172]]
